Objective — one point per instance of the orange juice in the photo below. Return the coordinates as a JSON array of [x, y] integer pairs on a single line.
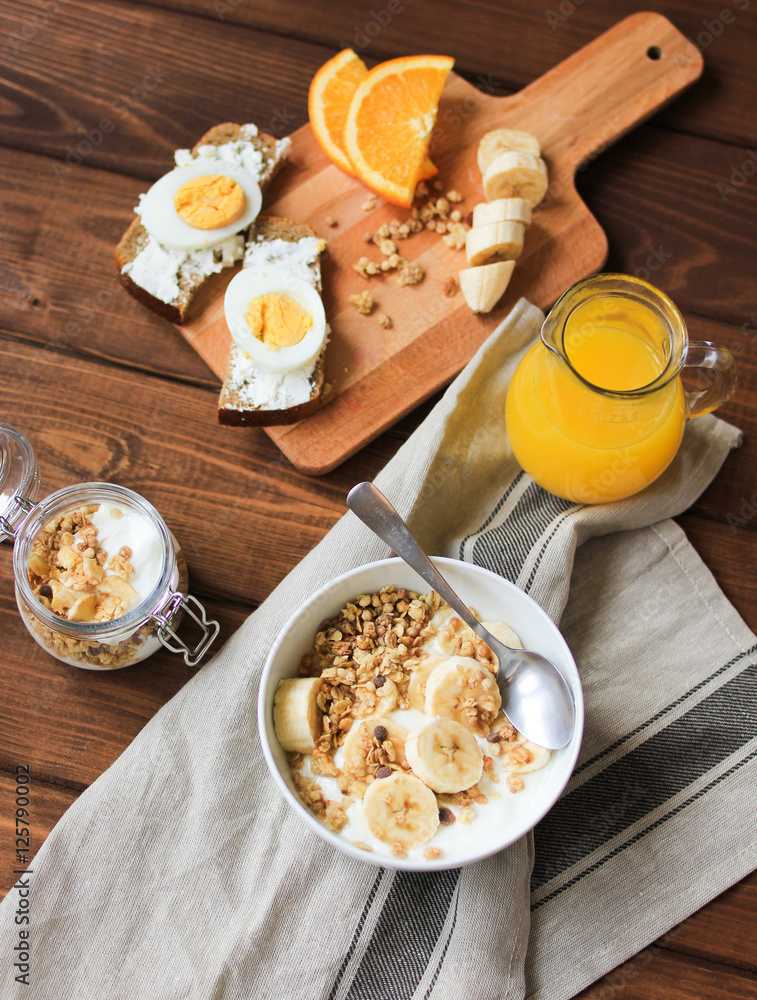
[[589, 420]]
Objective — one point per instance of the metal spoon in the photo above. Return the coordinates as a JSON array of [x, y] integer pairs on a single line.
[[535, 695]]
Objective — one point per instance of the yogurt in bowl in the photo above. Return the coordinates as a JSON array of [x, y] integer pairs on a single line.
[[363, 763]]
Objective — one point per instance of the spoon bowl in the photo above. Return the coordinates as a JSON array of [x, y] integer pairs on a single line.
[[536, 698]]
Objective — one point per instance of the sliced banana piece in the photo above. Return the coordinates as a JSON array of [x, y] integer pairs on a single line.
[[483, 287], [505, 634], [416, 690], [524, 756], [463, 690], [516, 174], [444, 755], [502, 210], [494, 241], [375, 699], [401, 810], [296, 715], [500, 140], [372, 743]]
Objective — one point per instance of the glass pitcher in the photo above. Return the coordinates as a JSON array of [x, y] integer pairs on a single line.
[[596, 408]]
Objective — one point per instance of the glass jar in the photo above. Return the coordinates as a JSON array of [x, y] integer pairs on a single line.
[[120, 640]]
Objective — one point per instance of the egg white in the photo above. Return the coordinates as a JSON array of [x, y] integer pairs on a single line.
[[163, 222], [247, 285]]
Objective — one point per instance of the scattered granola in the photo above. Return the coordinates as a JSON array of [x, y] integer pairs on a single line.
[[384, 320], [450, 287], [362, 302], [411, 273], [455, 236], [331, 221]]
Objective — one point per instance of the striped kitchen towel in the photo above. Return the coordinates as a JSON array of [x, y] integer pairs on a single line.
[[181, 873]]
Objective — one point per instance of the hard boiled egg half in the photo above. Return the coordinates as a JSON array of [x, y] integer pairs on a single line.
[[200, 204], [276, 318]]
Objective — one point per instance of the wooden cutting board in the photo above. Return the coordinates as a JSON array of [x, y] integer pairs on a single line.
[[377, 375]]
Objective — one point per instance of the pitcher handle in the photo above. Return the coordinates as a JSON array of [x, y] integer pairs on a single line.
[[721, 384]]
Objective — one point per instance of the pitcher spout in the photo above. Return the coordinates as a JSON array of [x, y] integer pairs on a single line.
[[552, 334]]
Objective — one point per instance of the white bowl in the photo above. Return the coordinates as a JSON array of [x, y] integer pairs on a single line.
[[495, 599]]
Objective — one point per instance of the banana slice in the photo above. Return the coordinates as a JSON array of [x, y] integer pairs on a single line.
[[502, 210], [296, 715], [375, 699], [367, 747], [500, 140], [401, 810], [505, 634], [483, 287], [416, 691], [444, 755], [524, 756], [494, 241], [516, 174], [463, 690]]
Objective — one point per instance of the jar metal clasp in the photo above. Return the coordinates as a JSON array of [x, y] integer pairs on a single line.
[[166, 613], [8, 525]]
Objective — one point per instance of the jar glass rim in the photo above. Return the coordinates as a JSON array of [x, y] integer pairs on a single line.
[[19, 472], [58, 503], [615, 285]]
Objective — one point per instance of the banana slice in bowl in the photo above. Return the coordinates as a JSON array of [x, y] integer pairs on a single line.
[[461, 689], [372, 744], [296, 714], [445, 755], [401, 810], [416, 689]]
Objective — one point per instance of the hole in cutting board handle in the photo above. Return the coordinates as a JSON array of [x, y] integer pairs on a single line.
[[654, 52]]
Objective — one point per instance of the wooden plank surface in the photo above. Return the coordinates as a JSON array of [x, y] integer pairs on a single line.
[[143, 403], [524, 41]]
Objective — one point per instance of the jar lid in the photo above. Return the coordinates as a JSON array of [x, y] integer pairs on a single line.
[[19, 478]]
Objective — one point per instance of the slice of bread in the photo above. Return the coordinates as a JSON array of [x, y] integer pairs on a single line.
[[192, 269], [239, 404]]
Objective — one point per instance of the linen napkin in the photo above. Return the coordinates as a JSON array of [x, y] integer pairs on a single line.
[[180, 873]]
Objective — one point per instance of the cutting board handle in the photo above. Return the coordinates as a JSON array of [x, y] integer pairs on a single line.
[[611, 85]]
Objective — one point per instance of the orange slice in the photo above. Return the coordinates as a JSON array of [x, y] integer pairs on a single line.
[[329, 99], [428, 170], [390, 121]]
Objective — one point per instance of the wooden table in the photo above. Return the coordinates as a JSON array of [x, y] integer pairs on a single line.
[[94, 99]]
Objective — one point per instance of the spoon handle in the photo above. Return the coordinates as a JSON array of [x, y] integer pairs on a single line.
[[374, 510]]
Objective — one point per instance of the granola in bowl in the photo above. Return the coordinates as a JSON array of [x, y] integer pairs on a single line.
[[463, 829], [393, 730]]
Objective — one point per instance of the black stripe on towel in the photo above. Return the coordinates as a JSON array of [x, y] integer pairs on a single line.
[[406, 935], [358, 931], [646, 777], [652, 826], [505, 547]]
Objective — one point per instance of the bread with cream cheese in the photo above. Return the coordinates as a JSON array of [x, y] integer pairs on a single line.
[[174, 277], [249, 397]]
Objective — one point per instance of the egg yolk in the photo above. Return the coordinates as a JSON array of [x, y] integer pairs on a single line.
[[210, 202], [277, 320]]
